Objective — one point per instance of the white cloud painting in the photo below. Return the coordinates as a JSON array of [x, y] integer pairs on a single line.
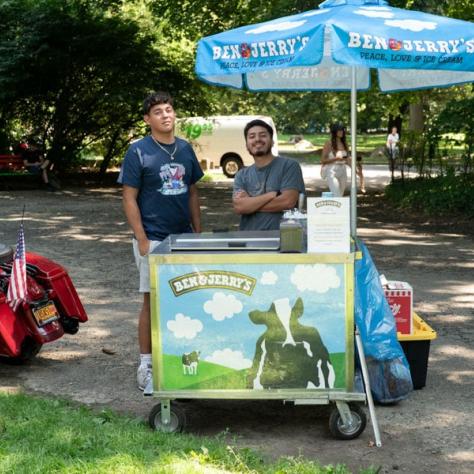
[[319, 278], [270, 27], [184, 327], [316, 12], [268, 278], [222, 306], [229, 358], [412, 25], [374, 13]]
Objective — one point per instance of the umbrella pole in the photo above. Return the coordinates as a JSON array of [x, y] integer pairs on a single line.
[[353, 152]]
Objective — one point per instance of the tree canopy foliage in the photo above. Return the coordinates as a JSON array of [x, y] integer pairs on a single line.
[[73, 73]]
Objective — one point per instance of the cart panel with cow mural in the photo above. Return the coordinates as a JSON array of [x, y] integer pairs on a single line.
[[254, 324]]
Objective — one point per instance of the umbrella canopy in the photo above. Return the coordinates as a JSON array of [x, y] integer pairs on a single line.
[[334, 47], [315, 50]]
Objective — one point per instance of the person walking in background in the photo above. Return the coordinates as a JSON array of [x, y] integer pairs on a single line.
[[268, 187], [392, 140], [392, 147], [334, 159], [160, 197]]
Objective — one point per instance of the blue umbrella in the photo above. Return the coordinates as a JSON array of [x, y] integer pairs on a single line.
[[335, 46], [311, 50]]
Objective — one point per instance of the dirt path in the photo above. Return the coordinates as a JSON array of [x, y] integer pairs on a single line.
[[85, 231]]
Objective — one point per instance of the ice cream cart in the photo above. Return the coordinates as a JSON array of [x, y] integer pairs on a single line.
[[234, 318]]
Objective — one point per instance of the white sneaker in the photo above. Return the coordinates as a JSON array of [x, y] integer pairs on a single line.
[[144, 375]]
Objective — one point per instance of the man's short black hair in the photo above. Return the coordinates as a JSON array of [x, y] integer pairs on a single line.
[[159, 97], [258, 123]]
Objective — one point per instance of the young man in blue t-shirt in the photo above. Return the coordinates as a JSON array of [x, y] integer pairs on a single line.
[[160, 197]]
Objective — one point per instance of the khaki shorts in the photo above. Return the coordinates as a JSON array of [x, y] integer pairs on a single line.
[[143, 266]]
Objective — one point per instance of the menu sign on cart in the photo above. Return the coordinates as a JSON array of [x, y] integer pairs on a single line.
[[328, 225]]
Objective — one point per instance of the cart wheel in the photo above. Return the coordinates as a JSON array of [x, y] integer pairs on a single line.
[[341, 431], [177, 420]]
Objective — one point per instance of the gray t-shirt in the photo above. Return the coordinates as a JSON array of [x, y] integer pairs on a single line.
[[282, 173]]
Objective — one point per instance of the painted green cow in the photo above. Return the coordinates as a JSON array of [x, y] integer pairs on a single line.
[[288, 354]]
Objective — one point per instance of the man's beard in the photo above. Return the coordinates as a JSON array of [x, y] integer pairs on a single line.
[[262, 151]]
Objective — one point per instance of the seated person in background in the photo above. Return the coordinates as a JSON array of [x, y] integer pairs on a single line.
[[35, 162], [301, 143], [270, 186], [294, 139], [304, 145], [334, 160]]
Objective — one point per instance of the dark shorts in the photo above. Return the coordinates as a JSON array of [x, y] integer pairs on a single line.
[[36, 169]]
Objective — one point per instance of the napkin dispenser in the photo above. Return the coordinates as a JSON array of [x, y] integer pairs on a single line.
[[291, 236]]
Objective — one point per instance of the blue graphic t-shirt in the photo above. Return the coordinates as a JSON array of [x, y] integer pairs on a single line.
[[163, 184]]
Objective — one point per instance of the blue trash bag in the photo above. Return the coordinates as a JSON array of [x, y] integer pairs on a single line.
[[389, 371]]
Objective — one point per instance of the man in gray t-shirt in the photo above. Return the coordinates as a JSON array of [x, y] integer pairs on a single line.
[[264, 190]]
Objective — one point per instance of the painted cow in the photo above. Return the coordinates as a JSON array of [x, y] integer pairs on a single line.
[[288, 354], [190, 362]]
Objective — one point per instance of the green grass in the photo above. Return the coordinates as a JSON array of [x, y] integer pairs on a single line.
[[449, 194], [338, 361], [209, 375], [215, 377], [207, 178], [366, 145], [55, 436], [365, 142]]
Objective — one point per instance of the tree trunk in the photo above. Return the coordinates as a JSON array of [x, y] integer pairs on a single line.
[[111, 150], [106, 161], [417, 119]]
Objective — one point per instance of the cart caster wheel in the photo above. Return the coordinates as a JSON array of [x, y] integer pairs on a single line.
[[341, 431], [176, 424]]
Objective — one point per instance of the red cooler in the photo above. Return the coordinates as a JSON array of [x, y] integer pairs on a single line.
[[399, 295]]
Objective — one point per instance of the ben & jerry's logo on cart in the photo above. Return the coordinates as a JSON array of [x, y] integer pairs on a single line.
[[328, 202], [213, 279]]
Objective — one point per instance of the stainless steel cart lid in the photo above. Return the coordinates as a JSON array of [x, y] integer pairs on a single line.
[[244, 241]]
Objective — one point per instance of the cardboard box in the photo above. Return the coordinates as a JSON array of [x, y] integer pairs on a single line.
[[399, 295]]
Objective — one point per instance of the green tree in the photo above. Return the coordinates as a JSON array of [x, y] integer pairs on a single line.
[[75, 75], [75, 72], [458, 115]]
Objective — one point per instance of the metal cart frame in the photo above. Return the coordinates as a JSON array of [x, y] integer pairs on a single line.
[[347, 420]]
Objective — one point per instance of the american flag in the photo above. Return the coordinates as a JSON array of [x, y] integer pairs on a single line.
[[17, 288]]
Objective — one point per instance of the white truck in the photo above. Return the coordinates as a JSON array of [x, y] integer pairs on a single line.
[[219, 141]]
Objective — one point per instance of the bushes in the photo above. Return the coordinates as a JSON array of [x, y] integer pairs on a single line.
[[447, 194]]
